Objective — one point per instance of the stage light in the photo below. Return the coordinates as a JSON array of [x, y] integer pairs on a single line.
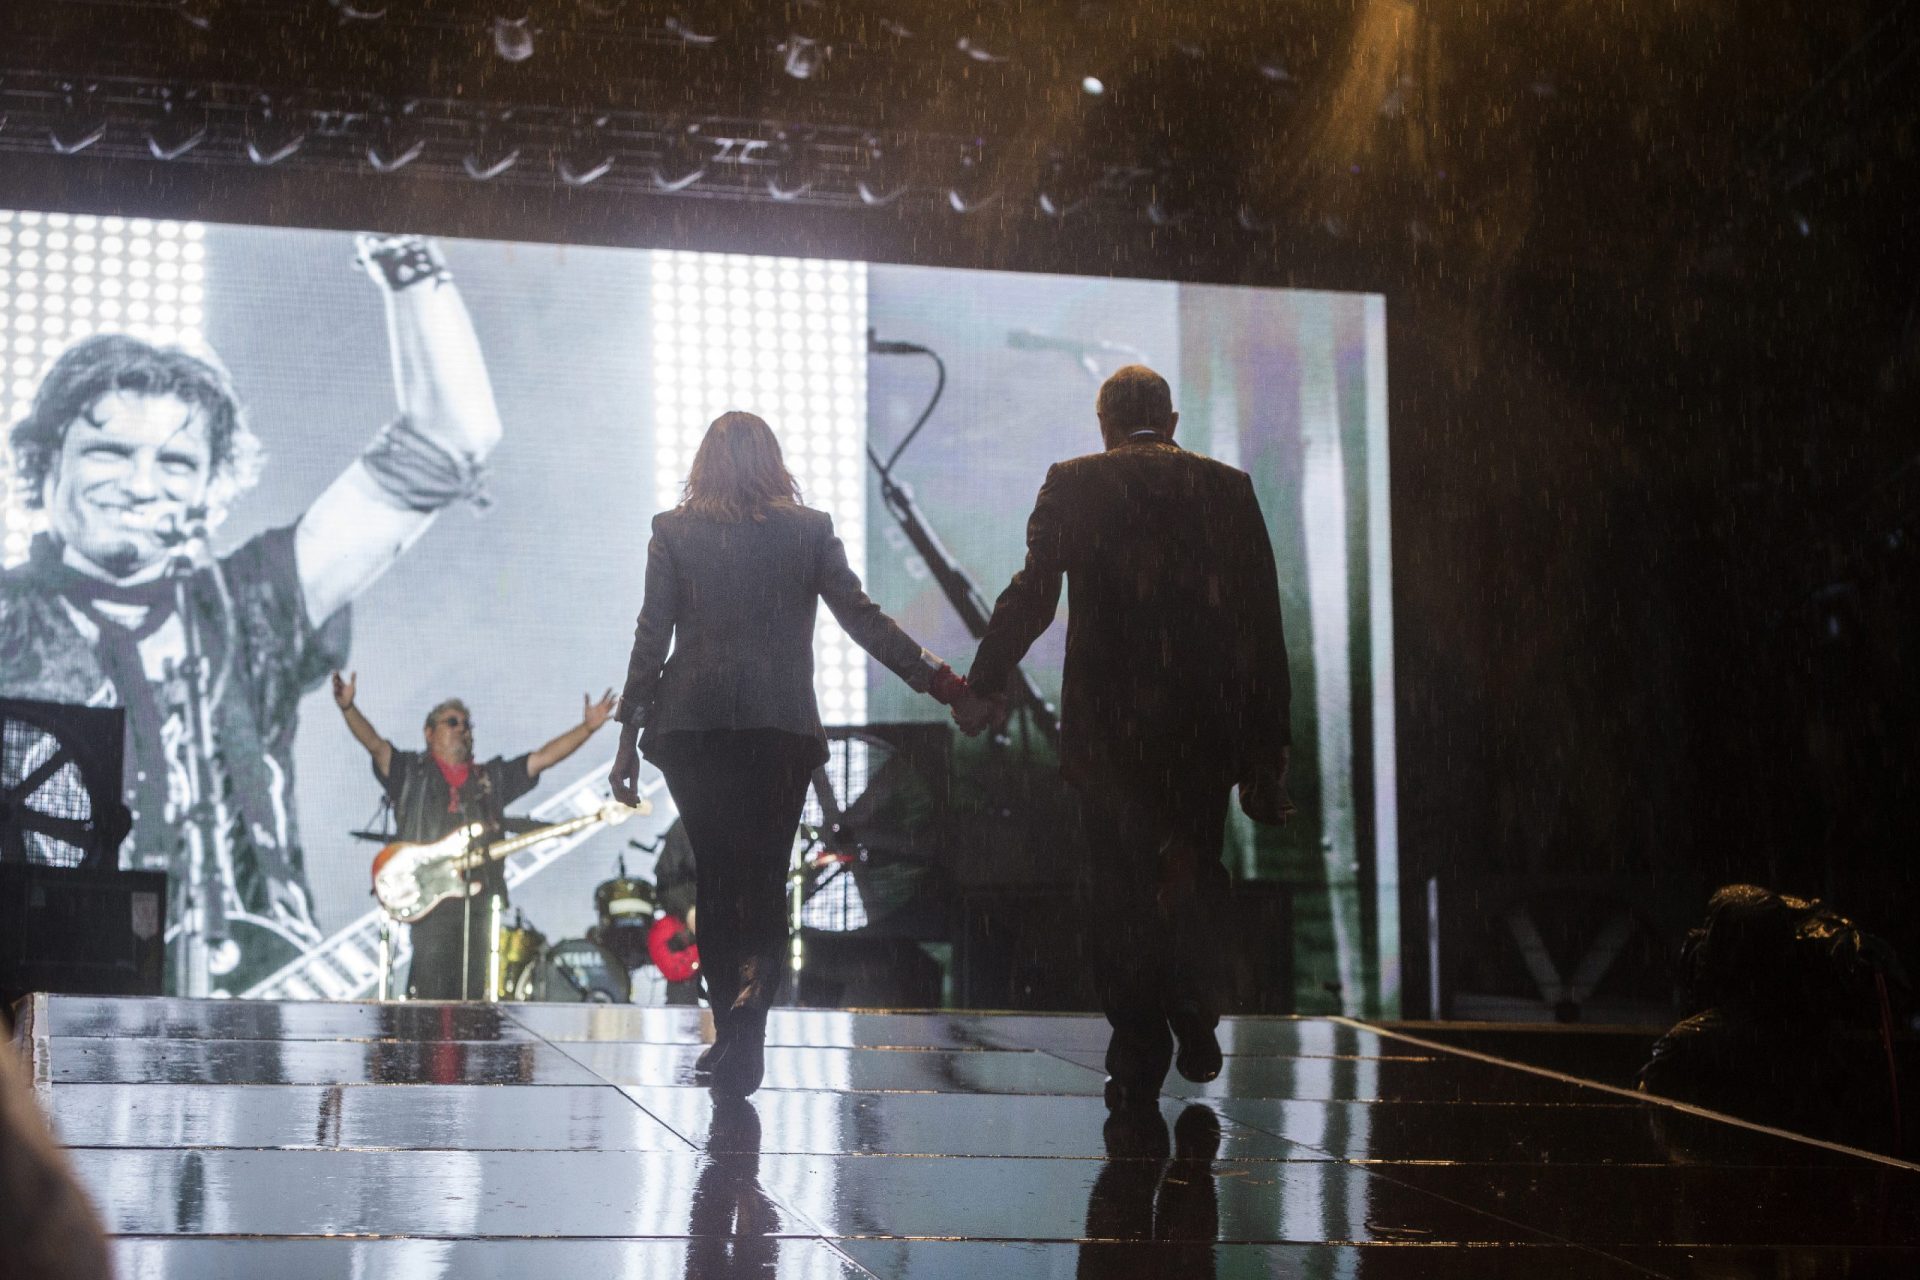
[[586, 156], [197, 13], [182, 125], [1170, 196], [1066, 183], [398, 139], [683, 158], [972, 185], [79, 122], [43, 314], [695, 23], [977, 51], [883, 175], [1093, 85], [359, 10], [274, 131], [513, 36], [738, 356], [491, 153], [793, 172], [802, 57]]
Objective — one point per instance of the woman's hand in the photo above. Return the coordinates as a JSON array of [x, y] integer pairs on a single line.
[[624, 778]]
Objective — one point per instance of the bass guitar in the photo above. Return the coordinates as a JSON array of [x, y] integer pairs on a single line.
[[412, 879]]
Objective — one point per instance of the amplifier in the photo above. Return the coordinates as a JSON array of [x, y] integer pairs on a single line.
[[81, 932]]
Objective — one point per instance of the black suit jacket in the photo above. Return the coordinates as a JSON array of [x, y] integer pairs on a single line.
[[736, 601], [1176, 658]]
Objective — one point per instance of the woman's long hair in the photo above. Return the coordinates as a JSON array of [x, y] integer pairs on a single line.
[[738, 472]]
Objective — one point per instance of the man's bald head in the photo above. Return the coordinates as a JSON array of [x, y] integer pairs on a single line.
[[1134, 399]]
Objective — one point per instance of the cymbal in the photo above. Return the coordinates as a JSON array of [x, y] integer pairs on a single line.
[[374, 837]]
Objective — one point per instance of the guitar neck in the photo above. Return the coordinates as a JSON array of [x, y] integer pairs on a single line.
[[507, 848]]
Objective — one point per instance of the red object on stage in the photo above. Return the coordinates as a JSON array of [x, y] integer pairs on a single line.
[[671, 947]]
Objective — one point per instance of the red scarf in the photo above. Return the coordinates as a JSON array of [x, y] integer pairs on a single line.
[[456, 776]]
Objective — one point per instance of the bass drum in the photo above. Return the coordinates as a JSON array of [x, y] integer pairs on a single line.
[[575, 972]]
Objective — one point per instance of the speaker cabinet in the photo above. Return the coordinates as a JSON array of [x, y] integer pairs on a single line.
[[81, 932]]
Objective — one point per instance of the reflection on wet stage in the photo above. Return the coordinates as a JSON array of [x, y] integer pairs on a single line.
[[296, 1140]]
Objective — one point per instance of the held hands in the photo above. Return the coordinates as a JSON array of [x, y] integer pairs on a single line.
[[594, 714], [970, 711], [975, 714], [343, 690]]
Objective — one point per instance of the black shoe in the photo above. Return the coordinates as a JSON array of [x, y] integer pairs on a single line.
[[1139, 1134], [738, 1071], [1199, 1057], [1196, 1134], [1131, 1097], [703, 1065]]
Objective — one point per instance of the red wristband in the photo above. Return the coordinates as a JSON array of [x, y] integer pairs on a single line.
[[947, 687]]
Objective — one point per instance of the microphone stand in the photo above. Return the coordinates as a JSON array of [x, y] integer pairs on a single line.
[[204, 923], [962, 592]]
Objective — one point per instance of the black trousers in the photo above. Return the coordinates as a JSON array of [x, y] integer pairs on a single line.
[[435, 971], [740, 793], [1158, 898]]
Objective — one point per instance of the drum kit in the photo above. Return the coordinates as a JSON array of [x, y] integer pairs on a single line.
[[596, 969]]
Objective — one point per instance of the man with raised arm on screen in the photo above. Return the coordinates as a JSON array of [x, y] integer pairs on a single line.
[[1176, 691], [133, 453]]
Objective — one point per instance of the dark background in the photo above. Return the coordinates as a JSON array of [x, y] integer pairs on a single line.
[[1651, 308]]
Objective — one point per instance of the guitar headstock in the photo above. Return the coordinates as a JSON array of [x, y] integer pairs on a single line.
[[613, 812]]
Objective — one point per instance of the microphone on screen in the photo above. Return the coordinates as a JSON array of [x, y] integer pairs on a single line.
[[886, 347], [1085, 352], [177, 531]]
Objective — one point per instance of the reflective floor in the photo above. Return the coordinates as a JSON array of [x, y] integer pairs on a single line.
[[307, 1140]]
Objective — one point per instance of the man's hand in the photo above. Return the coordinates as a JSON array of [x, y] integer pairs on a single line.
[[624, 778], [974, 714], [594, 714], [399, 262], [343, 690], [1265, 798]]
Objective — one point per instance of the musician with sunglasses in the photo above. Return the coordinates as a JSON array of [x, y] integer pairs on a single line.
[[439, 790]]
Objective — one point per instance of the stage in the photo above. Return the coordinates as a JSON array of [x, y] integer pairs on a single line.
[[294, 1140]]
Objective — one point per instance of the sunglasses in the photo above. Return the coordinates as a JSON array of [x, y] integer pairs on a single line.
[[453, 722]]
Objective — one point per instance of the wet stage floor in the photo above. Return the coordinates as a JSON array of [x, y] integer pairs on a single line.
[[289, 1141]]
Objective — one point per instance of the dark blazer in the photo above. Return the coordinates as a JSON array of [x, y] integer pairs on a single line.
[[1176, 659], [737, 603]]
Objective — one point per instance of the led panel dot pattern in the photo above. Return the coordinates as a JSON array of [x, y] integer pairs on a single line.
[[64, 277], [784, 338]]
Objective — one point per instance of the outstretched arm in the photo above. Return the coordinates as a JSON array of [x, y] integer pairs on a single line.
[[431, 456], [592, 715], [866, 622], [362, 729]]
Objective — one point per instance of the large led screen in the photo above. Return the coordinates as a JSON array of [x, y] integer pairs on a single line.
[[516, 590]]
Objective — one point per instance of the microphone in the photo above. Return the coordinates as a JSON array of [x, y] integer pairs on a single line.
[[1083, 352], [885, 347], [1028, 340], [172, 531]]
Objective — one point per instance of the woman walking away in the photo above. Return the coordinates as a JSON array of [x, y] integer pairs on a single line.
[[733, 576]]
